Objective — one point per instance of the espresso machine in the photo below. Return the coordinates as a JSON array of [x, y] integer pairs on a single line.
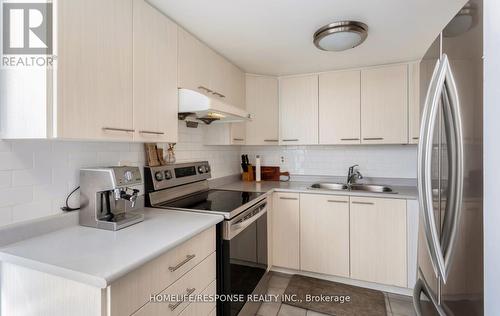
[[108, 199]]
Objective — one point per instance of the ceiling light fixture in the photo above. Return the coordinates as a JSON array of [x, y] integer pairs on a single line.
[[339, 36]]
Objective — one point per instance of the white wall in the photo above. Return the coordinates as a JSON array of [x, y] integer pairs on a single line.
[[386, 161], [36, 175], [491, 157]]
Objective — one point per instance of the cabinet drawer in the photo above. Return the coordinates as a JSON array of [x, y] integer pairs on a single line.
[[132, 291], [192, 283], [202, 308]]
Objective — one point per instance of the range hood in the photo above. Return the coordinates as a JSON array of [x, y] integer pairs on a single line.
[[193, 104]]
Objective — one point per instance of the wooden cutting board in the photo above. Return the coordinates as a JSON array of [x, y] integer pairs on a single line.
[[270, 173]]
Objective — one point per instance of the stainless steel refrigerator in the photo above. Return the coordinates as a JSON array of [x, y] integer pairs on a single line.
[[450, 253]]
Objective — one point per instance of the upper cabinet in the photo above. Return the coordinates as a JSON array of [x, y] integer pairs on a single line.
[[155, 75], [339, 107], [384, 105], [206, 71], [299, 110], [94, 70], [262, 104], [414, 105]]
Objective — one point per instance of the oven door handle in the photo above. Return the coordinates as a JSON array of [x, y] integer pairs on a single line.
[[232, 229]]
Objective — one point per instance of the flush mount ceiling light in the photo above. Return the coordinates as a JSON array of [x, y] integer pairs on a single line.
[[339, 36], [462, 22]]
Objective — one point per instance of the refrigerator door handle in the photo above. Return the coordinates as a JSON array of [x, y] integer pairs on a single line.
[[454, 141], [424, 179], [422, 287]]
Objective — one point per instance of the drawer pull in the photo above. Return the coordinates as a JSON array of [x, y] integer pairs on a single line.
[[183, 262], [205, 89], [220, 95], [118, 129], [415, 138], [337, 201], [152, 132], [373, 138], [288, 198], [348, 139], [174, 306], [363, 203], [291, 140], [238, 139], [271, 140]]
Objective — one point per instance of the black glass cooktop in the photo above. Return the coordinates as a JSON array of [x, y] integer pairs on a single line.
[[213, 200]]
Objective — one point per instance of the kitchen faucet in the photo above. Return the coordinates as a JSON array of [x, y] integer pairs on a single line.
[[352, 175]]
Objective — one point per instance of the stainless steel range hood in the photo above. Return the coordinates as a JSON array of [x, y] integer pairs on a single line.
[[207, 109]]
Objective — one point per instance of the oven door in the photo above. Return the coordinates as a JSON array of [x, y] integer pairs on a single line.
[[244, 259]]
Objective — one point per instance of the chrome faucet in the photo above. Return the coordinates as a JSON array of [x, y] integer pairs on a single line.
[[352, 175]]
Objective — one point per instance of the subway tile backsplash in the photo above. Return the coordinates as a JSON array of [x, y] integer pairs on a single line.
[[36, 175]]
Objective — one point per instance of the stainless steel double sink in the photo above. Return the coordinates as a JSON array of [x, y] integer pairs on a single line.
[[353, 187]]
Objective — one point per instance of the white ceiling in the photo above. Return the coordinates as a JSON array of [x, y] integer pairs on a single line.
[[275, 36]]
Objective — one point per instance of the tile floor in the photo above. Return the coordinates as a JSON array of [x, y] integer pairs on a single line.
[[396, 305]]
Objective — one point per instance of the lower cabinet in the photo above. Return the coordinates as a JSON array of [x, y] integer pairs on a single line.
[[378, 240], [285, 219], [324, 234]]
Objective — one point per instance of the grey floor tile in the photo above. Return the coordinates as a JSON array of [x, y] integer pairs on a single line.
[[402, 307], [278, 281], [269, 309], [313, 313], [288, 310]]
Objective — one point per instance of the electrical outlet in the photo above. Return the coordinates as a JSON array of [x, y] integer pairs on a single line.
[[282, 160]]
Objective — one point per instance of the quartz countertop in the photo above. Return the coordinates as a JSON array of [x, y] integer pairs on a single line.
[[399, 192], [99, 257]]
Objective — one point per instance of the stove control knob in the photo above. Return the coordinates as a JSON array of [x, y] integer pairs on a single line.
[[159, 176], [201, 169], [168, 175], [128, 176], [207, 168]]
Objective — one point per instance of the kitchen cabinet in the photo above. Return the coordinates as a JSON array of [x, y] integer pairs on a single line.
[[155, 75], [414, 102], [262, 104], [384, 105], [94, 70], [299, 110], [378, 240], [204, 70], [285, 230], [225, 134], [339, 107], [324, 234]]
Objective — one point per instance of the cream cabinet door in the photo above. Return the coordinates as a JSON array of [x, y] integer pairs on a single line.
[[324, 234], [225, 134], [339, 107], [94, 74], [155, 75], [194, 63], [299, 110], [378, 240], [262, 104], [285, 227], [384, 105], [414, 102], [219, 76], [236, 87]]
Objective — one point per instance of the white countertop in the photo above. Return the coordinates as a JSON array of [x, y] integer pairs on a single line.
[[400, 192], [98, 257]]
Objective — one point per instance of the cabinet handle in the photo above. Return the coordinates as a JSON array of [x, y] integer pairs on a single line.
[[373, 138], [151, 132], [204, 88], [291, 140], [363, 203], [238, 139], [347, 139], [183, 262], [118, 129], [218, 94], [288, 198], [415, 138], [271, 140], [336, 201], [188, 292]]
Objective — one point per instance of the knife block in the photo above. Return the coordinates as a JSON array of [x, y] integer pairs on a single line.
[[248, 175]]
